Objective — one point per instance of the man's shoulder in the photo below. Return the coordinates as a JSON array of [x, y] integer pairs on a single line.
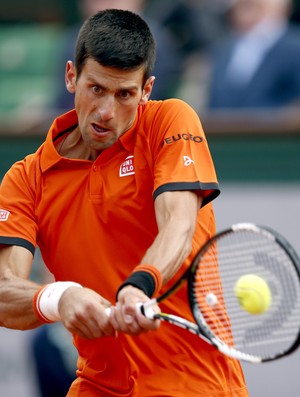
[[165, 103], [158, 118], [165, 107]]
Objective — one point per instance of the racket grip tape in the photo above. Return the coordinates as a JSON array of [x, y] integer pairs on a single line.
[[108, 311], [147, 308], [144, 308]]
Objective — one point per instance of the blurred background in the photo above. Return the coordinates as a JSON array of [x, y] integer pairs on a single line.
[[237, 62]]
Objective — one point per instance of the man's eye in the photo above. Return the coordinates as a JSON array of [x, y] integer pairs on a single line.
[[96, 89], [124, 94]]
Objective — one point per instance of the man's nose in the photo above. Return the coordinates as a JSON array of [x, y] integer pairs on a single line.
[[107, 108]]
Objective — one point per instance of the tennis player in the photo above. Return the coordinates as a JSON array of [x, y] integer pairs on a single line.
[[118, 199]]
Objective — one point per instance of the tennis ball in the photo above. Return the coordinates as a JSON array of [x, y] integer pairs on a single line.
[[253, 293]]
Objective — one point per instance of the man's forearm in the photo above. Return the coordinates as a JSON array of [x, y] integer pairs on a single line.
[[16, 307]]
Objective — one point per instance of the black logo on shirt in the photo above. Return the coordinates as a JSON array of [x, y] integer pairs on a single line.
[[185, 136]]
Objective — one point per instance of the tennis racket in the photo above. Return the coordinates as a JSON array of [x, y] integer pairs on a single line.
[[243, 249]]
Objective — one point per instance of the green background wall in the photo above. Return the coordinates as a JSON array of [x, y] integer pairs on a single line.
[[238, 158]]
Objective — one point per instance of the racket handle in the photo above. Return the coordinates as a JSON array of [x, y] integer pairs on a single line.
[[145, 308], [108, 311], [139, 309]]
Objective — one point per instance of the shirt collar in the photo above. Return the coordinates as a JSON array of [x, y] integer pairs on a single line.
[[69, 121], [127, 140], [60, 125]]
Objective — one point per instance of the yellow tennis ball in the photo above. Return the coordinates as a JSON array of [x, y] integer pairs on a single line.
[[253, 294]]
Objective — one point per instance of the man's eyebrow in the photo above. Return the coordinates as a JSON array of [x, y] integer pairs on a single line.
[[129, 88], [133, 87], [91, 79]]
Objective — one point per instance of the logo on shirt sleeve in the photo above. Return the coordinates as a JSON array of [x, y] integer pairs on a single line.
[[4, 215], [169, 140], [127, 167], [188, 161]]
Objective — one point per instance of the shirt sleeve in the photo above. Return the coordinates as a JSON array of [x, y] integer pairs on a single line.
[[182, 156], [18, 224]]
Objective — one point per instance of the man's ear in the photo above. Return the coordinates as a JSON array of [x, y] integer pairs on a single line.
[[70, 77], [147, 90]]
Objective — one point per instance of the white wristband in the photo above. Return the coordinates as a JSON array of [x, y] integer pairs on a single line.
[[48, 299]]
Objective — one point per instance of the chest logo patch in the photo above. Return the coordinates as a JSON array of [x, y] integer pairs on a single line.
[[127, 167], [4, 215]]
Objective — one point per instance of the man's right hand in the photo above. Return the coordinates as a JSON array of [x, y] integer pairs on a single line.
[[82, 312]]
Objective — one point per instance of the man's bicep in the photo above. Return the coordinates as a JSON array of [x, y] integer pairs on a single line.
[[15, 261], [180, 205]]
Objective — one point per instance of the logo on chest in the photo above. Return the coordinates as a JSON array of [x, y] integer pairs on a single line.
[[4, 215], [127, 167]]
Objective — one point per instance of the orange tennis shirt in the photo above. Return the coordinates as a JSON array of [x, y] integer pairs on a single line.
[[93, 222]]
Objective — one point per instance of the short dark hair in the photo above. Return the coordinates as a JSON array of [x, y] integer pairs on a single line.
[[116, 38]]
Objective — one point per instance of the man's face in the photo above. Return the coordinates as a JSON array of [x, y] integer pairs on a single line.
[[106, 101], [245, 14]]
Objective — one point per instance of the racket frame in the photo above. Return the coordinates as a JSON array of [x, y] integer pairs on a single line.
[[204, 329]]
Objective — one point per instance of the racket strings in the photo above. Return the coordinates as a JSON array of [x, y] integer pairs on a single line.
[[217, 308]]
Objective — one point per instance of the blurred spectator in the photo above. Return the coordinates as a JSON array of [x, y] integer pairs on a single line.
[[168, 67], [55, 360], [196, 26], [259, 65], [295, 15]]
